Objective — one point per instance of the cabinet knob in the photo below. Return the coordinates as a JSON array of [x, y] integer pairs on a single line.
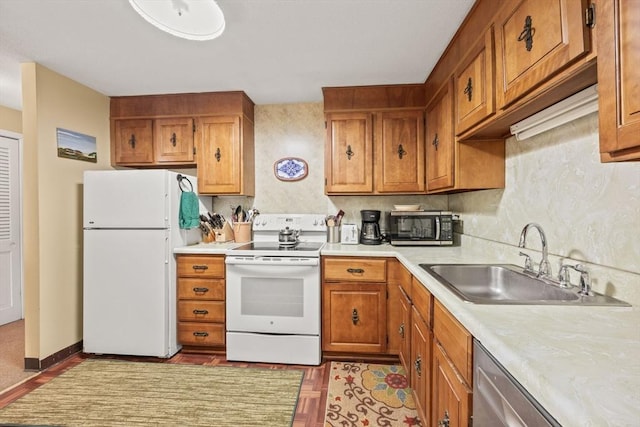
[[417, 364], [218, 155], [527, 34], [401, 330], [401, 151], [436, 142], [349, 152], [354, 316], [132, 141], [468, 90], [444, 422], [173, 139]]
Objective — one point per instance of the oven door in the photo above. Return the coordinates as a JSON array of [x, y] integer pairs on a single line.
[[274, 295]]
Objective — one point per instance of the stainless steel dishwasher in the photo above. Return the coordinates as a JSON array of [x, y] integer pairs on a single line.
[[499, 400]]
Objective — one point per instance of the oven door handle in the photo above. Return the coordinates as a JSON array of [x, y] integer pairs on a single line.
[[271, 261]]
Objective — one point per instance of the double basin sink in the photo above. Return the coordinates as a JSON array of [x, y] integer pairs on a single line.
[[508, 284]]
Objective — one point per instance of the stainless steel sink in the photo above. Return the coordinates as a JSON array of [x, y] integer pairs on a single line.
[[507, 284]]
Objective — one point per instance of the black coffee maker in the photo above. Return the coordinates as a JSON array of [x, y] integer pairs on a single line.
[[370, 230]]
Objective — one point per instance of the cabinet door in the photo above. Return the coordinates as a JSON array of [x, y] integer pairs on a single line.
[[536, 39], [404, 330], [474, 94], [133, 143], [399, 148], [173, 140], [421, 340], [354, 317], [219, 155], [440, 141], [618, 77], [451, 396], [349, 153]]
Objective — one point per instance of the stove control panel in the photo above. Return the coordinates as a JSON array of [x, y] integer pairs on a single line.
[[277, 222]]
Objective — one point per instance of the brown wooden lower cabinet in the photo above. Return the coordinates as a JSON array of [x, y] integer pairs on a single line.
[[201, 303], [451, 395], [354, 317], [421, 339]]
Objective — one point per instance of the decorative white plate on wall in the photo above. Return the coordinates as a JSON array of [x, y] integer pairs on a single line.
[[407, 207], [290, 169]]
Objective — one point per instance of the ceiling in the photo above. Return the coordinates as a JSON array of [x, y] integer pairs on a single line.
[[277, 51]]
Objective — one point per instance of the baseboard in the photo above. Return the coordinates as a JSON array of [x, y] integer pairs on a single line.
[[34, 364]]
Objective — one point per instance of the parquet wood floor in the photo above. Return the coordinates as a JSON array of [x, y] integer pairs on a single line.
[[311, 402]]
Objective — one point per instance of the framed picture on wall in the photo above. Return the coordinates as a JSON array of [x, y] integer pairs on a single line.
[[77, 146]]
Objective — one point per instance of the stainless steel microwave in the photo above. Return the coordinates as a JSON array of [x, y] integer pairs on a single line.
[[421, 228]]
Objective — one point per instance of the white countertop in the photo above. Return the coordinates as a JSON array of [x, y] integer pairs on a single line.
[[582, 364]]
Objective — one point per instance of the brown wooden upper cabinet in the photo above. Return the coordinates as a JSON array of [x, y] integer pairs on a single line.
[[619, 79], [474, 89], [173, 140], [535, 39], [349, 153], [132, 142], [440, 140], [374, 140], [399, 152], [213, 129], [225, 156]]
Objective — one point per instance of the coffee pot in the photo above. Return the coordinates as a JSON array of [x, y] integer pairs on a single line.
[[370, 230]]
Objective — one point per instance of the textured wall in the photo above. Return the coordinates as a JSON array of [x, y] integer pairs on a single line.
[[589, 210]]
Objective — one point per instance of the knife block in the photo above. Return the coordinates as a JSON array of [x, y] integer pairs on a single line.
[[224, 234]]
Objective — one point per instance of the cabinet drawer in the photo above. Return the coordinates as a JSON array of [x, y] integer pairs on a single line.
[[201, 311], [200, 266], [204, 334], [354, 269], [455, 340], [201, 289], [422, 301]]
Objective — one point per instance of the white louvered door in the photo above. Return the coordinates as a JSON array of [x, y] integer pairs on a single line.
[[10, 252]]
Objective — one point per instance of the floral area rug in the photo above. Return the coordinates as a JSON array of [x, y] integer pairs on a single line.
[[361, 394]]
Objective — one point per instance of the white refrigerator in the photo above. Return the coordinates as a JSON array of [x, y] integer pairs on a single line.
[[130, 223]]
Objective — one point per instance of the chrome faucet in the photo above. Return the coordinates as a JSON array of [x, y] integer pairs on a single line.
[[544, 269]]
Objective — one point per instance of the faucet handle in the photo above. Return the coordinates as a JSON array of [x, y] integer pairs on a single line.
[[528, 265], [563, 276], [585, 280]]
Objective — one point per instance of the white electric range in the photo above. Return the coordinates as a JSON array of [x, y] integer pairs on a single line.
[[273, 292]]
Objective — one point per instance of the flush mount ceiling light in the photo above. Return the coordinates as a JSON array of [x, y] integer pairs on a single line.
[[188, 19]]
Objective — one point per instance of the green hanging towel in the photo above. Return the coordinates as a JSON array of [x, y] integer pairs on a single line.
[[189, 210]]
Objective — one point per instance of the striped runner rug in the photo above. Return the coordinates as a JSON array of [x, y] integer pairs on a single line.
[[120, 393]]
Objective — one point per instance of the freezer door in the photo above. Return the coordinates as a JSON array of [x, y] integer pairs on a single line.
[[129, 295], [126, 199]]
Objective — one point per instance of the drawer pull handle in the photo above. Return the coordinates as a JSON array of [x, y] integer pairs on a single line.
[[418, 366], [200, 267], [444, 422], [355, 270], [200, 334], [354, 316], [401, 330], [197, 312], [200, 290]]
